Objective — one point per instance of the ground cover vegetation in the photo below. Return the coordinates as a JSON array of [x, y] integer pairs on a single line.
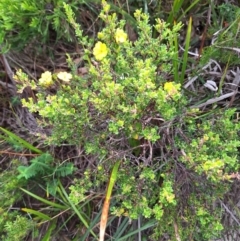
[[119, 120]]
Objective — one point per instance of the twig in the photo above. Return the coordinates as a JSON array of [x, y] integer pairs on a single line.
[[189, 52], [237, 50], [176, 231], [139, 228], [8, 70], [232, 215], [214, 100], [18, 154]]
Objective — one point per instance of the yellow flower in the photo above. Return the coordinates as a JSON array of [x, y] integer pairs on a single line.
[[171, 88], [120, 36], [64, 76], [100, 50], [46, 79]]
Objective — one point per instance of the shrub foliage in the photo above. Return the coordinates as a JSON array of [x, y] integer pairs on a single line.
[[175, 161]]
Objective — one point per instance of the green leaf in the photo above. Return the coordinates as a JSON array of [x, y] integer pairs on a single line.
[[40, 164]]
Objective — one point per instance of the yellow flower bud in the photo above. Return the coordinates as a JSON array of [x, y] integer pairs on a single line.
[[120, 36], [100, 35]]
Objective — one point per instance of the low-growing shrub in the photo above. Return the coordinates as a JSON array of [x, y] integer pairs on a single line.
[[175, 162]]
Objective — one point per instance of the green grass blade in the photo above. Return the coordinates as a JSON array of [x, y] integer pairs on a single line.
[[113, 179], [21, 141], [75, 209], [188, 9], [91, 226], [177, 4], [144, 227], [175, 58], [122, 228], [47, 236], [52, 204], [42, 216], [223, 78], [185, 54]]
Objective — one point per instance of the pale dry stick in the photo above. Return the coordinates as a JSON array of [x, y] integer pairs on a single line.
[[210, 84], [237, 50], [234, 85], [236, 79], [214, 100], [139, 232], [193, 79], [232, 215], [19, 66], [216, 74], [189, 52], [190, 82], [176, 231], [8, 71], [150, 152], [18, 154], [11, 88], [209, 65], [128, 7]]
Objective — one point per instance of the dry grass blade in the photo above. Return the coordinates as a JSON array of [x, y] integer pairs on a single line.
[[104, 217], [176, 231]]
